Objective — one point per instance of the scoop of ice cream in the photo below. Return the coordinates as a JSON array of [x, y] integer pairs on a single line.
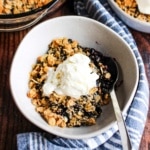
[[74, 77], [144, 6]]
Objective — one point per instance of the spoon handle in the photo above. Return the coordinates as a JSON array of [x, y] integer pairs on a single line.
[[120, 121]]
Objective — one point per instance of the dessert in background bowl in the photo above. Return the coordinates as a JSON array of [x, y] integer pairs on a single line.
[[75, 28], [132, 14], [19, 15], [11, 7]]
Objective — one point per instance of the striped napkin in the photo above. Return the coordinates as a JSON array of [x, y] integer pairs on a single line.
[[136, 115]]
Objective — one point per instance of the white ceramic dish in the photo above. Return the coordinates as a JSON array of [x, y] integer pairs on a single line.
[[129, 20], [88, 33]]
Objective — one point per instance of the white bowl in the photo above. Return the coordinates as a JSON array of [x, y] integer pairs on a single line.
[[132, 22], [89, 33]]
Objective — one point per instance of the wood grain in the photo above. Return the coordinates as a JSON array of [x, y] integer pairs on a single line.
[[12, 121]]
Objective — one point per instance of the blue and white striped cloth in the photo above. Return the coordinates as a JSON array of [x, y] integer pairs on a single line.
[[136, 114]]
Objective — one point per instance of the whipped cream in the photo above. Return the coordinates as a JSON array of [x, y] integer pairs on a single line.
[[144, 6], [74, 77]]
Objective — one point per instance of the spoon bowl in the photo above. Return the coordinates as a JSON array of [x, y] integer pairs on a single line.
[[108, 85]]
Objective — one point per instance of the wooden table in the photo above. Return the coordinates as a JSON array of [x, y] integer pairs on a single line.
[[12, 121]]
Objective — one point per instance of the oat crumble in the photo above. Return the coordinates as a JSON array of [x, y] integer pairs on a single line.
[[62, 110], [20, 6], [131, 8]]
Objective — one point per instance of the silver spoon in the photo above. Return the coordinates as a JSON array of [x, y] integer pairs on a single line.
[[113, 69]]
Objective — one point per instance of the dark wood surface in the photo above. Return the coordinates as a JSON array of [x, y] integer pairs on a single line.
[[12, 121]]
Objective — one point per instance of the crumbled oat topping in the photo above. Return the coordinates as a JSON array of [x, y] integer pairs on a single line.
[[62, 110], [20, 6], [131, 8]]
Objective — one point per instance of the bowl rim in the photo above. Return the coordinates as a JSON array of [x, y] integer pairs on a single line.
[[28, 13], [85, 136], [127, 15]]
